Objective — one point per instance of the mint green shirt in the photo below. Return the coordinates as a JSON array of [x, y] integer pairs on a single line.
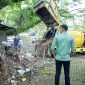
[[63, 43]]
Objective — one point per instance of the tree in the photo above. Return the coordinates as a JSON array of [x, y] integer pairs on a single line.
[[4, 3], [20, 18]]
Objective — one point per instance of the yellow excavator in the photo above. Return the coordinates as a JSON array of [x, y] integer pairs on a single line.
[[47, 10]]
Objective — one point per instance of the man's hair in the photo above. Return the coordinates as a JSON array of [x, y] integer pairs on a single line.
[[65, 27]]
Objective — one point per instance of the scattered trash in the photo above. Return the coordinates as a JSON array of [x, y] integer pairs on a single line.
[[21, 72]]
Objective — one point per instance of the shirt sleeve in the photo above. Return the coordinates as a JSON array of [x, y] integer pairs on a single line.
[[53, 45], [72, 45]]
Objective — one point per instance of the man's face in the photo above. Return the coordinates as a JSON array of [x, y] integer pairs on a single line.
[[61, 29]]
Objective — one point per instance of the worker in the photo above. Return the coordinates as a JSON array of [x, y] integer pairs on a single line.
[[64, 45], [16, 43]]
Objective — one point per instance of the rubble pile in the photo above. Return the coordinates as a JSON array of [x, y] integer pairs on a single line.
[[19, 67], [42, 48], [14, 67]]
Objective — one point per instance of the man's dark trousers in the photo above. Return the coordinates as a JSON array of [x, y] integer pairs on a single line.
[[66, 66]]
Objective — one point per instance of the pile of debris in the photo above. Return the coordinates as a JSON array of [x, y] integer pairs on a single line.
[[18, 67], [43, 46], [15, 67]]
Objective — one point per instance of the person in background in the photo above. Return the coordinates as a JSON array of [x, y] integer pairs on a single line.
[[64, 44], [16, 43]]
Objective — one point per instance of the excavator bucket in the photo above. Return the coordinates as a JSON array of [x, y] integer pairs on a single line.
[[47, 10]]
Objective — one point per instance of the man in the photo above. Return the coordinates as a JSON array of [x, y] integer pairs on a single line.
[[64, 44], [16, 42]]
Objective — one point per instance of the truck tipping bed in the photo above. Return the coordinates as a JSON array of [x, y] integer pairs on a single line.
[[47, 10]]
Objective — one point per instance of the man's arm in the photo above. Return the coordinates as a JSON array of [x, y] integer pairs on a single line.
[[53, 46], [72, 48]]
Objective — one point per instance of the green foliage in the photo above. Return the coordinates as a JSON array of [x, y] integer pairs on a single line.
[[77, 19], [20, 18], [65, 13], [35, 1], [5, 2], [76, 0]]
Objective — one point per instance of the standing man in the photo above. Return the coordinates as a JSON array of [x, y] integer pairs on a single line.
[[64, 44], [16, 43]]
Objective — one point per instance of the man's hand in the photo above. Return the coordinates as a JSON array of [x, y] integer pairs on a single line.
[[52, 53], [72, 54]]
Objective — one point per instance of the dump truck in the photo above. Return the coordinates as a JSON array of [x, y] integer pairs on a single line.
[[47, 10], [79, 38]]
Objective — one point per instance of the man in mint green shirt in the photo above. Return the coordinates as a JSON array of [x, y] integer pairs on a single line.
[[64, 44]]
